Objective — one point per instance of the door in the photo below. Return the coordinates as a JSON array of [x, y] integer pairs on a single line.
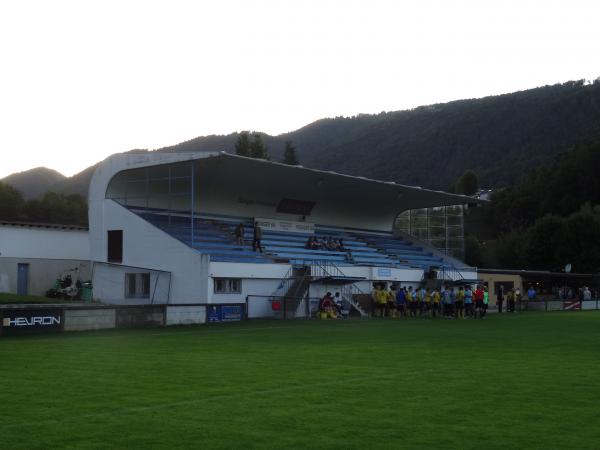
[[22, 278]]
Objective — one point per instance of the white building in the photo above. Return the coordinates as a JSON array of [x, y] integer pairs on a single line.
[[162, 232], [33, 256]]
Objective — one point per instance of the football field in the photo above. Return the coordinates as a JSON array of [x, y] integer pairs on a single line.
[[518, 381]]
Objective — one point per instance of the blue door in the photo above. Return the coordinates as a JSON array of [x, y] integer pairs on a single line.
[[22, 278]]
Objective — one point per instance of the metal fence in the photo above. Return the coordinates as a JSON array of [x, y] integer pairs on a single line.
[[558, 305]]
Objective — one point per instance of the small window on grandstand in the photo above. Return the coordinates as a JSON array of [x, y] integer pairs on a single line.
[[228, 286], [137, 285]]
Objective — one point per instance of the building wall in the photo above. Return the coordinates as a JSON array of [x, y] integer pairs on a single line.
[[22, 242], [493, 279], [147, 247], [42, 273]]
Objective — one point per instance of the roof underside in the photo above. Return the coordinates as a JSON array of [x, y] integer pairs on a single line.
[[315, 185], [238, 186]]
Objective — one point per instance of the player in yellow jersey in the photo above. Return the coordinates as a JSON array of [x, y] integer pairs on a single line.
[[436, 300]]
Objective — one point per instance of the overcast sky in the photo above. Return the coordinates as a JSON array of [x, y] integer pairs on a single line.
[[80, 80]]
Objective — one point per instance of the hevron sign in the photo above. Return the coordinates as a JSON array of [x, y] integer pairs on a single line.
[[25, 321]]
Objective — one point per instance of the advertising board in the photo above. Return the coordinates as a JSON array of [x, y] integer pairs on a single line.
[[17, 321]]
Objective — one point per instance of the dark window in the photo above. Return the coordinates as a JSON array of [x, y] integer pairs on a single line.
[[115, 246], [228, 286], [292, 206], [137, 285]]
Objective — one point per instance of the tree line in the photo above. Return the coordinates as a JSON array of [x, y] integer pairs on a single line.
[[50, 208], [551, 217], [255, 148]]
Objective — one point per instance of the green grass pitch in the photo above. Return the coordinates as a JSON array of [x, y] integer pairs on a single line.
[[518, 381]]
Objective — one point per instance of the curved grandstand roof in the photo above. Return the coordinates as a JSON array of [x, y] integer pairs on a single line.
[[240, 186]]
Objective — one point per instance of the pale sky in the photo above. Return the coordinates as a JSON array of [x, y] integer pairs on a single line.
[[80, 80]]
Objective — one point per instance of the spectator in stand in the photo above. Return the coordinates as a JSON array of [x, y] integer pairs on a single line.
[[459, 305], [401, 302], [500, 298], [331, 244], [309, 243], [587, 294], [341, 245], [239, 234], [478, 296], [257, 237]]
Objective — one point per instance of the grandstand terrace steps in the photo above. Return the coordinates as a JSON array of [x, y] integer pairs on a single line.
[[217, 238]]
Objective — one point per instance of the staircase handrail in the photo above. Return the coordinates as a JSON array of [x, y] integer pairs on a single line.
[[284, 283], [330, 269]]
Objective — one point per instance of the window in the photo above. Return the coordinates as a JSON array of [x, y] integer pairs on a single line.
[[137, 285], [228, 286], [115, 246]]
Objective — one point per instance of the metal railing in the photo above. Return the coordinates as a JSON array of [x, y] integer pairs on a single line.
[[323, 269]]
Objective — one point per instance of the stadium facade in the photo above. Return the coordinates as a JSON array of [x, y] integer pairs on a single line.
[[162, 231]]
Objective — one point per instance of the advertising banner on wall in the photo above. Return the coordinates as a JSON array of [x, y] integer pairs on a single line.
[[224, 313], [31, 320], [286, 225]]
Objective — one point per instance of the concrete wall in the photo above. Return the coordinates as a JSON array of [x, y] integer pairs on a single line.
[[18, 242], [186, 315], [89, 319], [42, 273]]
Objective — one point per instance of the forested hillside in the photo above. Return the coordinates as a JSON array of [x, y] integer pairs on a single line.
[[501, 137], [34, 182], [549, 219]]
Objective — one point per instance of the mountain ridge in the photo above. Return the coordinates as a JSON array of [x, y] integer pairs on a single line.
[[500, 137]]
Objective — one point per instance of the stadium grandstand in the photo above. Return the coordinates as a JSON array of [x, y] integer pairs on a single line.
[[163, 231]]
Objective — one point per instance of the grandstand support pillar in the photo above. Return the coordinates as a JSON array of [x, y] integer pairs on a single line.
[[192, 200]]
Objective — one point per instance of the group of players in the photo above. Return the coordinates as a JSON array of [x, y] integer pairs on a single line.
[[446, 302]]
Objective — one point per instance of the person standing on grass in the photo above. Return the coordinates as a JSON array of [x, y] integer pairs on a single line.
[[510, 301], [375, 299], [486, 300], [391, 301], [380, 298], [478, 295], [468, 301], [428, 301], [435, 302], [412, 303], [459, 305], [401, 302], [257, 238], [518, 298], [500, 298]]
